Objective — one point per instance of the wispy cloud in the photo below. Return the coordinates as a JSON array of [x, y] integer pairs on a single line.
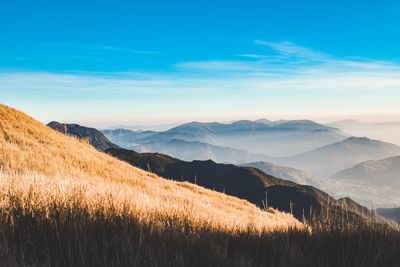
[[290, 49], [287, 77], [288, 59]]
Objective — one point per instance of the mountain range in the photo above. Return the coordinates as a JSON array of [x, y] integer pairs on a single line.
[[195, 150], [244, 182], [301, 169], [202, 141], [154, 127], [281, 138]]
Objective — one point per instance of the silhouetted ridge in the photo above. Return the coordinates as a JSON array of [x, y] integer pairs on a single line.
[[244, 182], [94, 136], [305, 202]]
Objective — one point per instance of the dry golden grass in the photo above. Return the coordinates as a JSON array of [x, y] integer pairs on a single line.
[[37, 161], [62, 203]]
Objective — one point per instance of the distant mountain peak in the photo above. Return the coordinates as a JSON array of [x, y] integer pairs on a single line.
[[263, 120], [329, 159], [385, 170], [367, 141], [279, 138], [355, 138]]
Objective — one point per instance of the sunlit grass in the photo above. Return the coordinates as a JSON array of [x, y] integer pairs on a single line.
[[34, 158], [63, 203]]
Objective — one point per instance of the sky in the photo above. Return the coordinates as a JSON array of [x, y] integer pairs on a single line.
[[104, 63]]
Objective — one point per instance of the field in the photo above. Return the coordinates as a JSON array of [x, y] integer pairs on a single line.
[[63, 203]]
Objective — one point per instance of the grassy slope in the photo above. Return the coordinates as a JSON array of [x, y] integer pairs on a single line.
[[63, 162], [62, 203], [45, 174], [252, 185]]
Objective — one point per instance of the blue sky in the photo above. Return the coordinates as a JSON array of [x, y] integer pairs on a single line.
[[130, 62]]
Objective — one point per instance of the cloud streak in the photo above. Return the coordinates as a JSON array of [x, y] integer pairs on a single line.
[[289, 49], [287, 78], [288, 60]]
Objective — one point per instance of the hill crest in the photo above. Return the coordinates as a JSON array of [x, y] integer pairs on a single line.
[[92, 135], [30, 149]]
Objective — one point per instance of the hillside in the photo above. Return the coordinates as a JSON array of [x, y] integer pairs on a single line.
[[245, 183], [327, 160], [66, 204], [250, 184], [27, 144], [94, 136], [55, 178]]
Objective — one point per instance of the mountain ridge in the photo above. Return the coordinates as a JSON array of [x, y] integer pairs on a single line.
[[253, 136], [329, 159], [384, 171], [92, 135], [247, 183], [287, 173]]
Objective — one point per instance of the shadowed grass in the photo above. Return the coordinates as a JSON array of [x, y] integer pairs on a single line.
[[62, 203], [36, 158], [69, 235]]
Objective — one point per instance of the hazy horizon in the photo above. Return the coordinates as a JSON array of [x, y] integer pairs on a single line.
[[144, 66], [99, 123]]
